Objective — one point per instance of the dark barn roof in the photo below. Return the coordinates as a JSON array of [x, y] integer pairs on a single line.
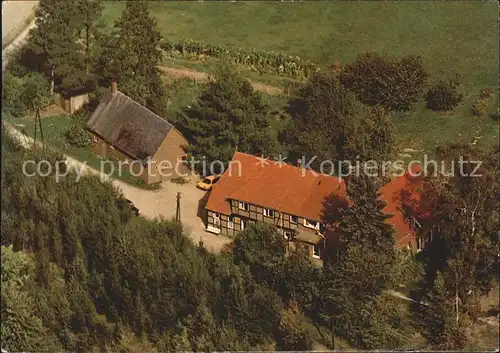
[[128, 126]]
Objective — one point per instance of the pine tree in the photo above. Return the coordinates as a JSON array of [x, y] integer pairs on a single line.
[[55, 41], [131, 56], [229, 116], [89, 15], [350, 299], [365, 221]]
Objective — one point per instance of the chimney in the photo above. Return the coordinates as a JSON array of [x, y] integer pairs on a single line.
[[114, 87]]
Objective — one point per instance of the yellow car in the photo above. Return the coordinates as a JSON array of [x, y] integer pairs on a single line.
[[208, 182]]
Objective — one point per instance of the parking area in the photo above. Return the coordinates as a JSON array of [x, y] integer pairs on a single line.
[[163, 203]]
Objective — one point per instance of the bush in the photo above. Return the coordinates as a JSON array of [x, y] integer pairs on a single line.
[[482, 102], [180, 180], [396, 85], [444, 95], [77, 136], [12, 103]]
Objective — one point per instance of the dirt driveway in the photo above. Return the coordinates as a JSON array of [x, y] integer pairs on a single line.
[[203, 76], [162, 203]]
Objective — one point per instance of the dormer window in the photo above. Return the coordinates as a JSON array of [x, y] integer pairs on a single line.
[[268, 212], [311, 224], [294, 219]]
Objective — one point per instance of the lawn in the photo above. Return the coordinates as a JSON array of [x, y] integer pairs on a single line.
[[452, 37], [54, 128]]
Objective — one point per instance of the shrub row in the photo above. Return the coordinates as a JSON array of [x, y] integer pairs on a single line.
[[282, 64]]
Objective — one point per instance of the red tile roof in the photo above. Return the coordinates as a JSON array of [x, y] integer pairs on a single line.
[[284, 188], [302, 192], [401, 195]]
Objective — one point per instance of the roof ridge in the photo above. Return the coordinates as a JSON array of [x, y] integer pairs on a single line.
[[149, 110]]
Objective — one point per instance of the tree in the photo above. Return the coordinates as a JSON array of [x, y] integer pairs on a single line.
[[55, 41], [117, 280], [35, 92], [351, 302], [374, 137], [131, 55], [323, 118], [444, 95], [21, 95], [21, 327], [292, 334], [354, 277], [229, 116], [435, 317], [262, 248], [461, 260], [300, 279], [13, 104], [396, 85], [364, 222], [89, 14]]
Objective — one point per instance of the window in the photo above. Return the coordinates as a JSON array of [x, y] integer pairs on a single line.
[[207, 181], [216, 218], [294, 219], [215, 180], [242, 224], [316, 251], [268, 212], [311, 224], [420, 243], [230, 222], [243, 206], [288, 234]]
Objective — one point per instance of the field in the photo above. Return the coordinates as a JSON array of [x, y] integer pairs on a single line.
[[452, 37]]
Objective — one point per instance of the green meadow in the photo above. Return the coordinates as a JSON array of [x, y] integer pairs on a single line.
[[452, 37]]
